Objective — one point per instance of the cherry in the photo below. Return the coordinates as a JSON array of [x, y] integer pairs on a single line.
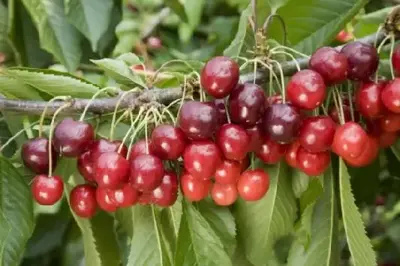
[[219, 105], [233, 142], [335, 114], [362, 60], [306, 89], [390, 122], [111, 169], [368, 99], [330, 64], [313, 164], [85, 166], [139, 148], [256, 137], [154, 43], [101, 146], [228, 172], [167, 142], [147, 172], [368, 155], [253, 184], [194, 189], [35, 155], [145, 198], [247, 104], [220, 76], [391, 95], [126, 196], [277, 98], [166, 194], [105, 199], [201, 158], [198, 120], [316, 133], [291, 154], [47, 190], [83, 200], [281, 122], [71, 138], [344, 36], [224, 194], [244, 164], [385, 139], [271, 152], [396, 59], [349, 140]]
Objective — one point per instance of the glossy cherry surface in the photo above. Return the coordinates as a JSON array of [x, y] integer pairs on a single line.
[[83, 200], [147, 172], [390, 122], [85, 166], [271, 152], [291, 154], [101, 146], [368, 99], [233, 141], [35, 155], [194, 189], [253, 184], [228, 172], [165, 195], [126, 196], [111, 169], [167, 142], [313, 164], [224, 194], [390, 95], [139, 148], [330, 64], [256, 137], [316, 133], [349, 140], [47, 190], [105, 199], [396, 59], [368, 155]]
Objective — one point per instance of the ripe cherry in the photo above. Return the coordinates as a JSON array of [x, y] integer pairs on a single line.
[[244, 164], [126, 196], [224, 194], [233, 142], [139, 148], [219, 105], [253, 184], [362, 60], [146, 198], [335, 114], [167, 142], [396, 59], [291, 154], [316, 133], [47, 190], [313, 164], [369, 154], [228, 172], [385, 139], [147, 172], [220, 76], [101, 146], [83, 200], [271, 152], [276, 98], [256, 137], [349, 140], [330, 64], [105, 199], [35, 155], [198, 120], [71, 138], [390, 122], [194, 189], [391, 95], [368, 99], [166, 194], [111, 169], [306, 89], [86, 167], [246, 104], [201, 158], [281, 122]]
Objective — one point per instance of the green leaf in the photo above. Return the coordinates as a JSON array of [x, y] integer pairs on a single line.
[[198, 244], [323, 249], [300, 182], [15, 88], [4, 45], [90, 17], [310, 196], [53, 82], [57, 36], [178, 8], [16, 214], [360, 246], [376, 17], [193, 10], [262, 223]]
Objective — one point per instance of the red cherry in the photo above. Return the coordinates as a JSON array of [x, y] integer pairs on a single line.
[[47, 190], [385, 139], [201, 159], [391, 95], [396, 59], [369, 154], [256, 137], [145, 198], [198, 120], [194, 189], [244, 164], [224, 194], [368, 99], [147, 172], [35, 155], [313, 164], [253, 184], [334, 113], [330, 64], [344, 36], [139, 148], [271, 152], [390, 122], [111, 169], [105, 199], [85, 166], [291, 154], [167, 142], [71, 138], [273, 99], [220, 76], [166, 194], [154, 43], [83, 200], [316, 133], [219, 105], [233, 142], [306, 89], [101, 146], [228, 172], [349, 140], [126, 196]]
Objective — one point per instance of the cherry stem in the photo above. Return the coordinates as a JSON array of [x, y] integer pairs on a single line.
[[134, 134], [271, 72], [338, 104], [133, 123], [289, 49], [379, 51], [16, 135], [228, 117], [282, 80], [291, 56], [377, 34], [183, 95], [255, 72], [350, 95], [168, 63], [92, 99], [63, 98], [146, 137], [392, 40]]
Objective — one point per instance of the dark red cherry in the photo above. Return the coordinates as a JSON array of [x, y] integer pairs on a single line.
[[368, 99], [368, 155], [167, 142], [219, 105], [101, 146], [201, 158], [391, 95], [228, 172], [147, 172], [233, 142], [362, 59], [126, 196], [85, 166], [105, 199], [330, 64], [83, 200], [313, 164], [281, 122], [195, 189], [316, 133], [166, 194], [277, 98], [253, 184], [198, 120], [349, 140], [139, 148], [271, 152], [291, 154], [396, 59], [47, 190], [385, 139], [224, 194], [35, 155], [111, 169], [220, 76], [247, 104], [256, 137], [72, 138], [390, 122]]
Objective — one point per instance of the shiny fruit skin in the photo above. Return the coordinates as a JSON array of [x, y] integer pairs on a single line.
[[368, 99], [228, 172], [349, 140], [291, 154], [167, 142], [101, 146], [147, 172], [35, 155], [83, 200], [256, 137], [390, 95], [233, 141], [224, 194], [368, 155], [105, 199], [313, 164], [126, 196], [271, 152], [47, 190], [253, 184], [316, 133], [166, 194], [111, 170], [86, 167], [194, 189], [139, 148], [390, 122], [396, 59]]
